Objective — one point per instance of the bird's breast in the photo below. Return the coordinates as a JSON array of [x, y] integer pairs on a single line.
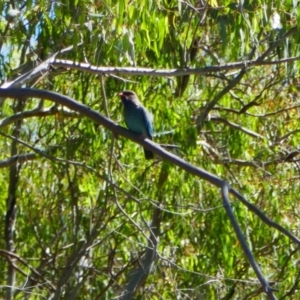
[[135, 119]]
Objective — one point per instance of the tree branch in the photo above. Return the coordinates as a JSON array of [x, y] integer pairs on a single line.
[[44, 112], [17, 158], [238, 127], [267, 289], [165, 72]]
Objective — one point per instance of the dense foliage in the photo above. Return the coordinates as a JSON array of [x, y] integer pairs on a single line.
[[78, 202]]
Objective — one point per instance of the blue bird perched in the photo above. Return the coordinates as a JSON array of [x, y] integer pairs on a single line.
[[137, 117]]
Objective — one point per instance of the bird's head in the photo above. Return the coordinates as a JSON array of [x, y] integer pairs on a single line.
[[128, 96]]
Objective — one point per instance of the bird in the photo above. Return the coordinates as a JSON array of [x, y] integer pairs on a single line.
[[137, 118]]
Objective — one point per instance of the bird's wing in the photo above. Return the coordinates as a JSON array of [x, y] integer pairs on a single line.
[[126, 123], [148, 118]]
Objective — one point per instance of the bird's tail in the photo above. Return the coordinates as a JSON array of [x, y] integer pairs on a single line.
[[148, 154]]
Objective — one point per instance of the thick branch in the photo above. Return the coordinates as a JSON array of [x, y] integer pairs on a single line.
[[268, 290], [139, 275], [165, 72]]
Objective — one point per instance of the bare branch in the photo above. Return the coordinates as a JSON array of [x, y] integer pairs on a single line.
[[292, 31], [211, 105], [282, 138], [165, 72], [53, 110], [17, 159], [238, 127], [13, 256], [263, 217], [234, 223], [40, 70], [139, 275]]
